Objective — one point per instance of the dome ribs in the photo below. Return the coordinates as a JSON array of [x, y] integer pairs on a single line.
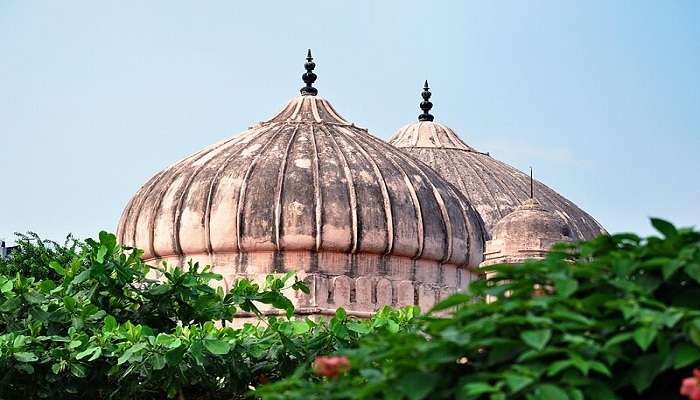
[[435, 138], [332, 112], [187, 191], [158, 201], [309, 191], [233, 154], [314, 111], [389, 219], [495, 201], [280, 187], [351, 189], [420, 228], [414, 129], [446, 222], [128, 222], [493, 187], [318, 195], [500, 184], [244, 185]]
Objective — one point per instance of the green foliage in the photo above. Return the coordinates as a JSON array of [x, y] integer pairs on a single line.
[[101, 327], [32, 255], [615, 317]]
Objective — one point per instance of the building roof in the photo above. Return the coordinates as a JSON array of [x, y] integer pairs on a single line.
[[306, 179], [494, 188], [531, 219]]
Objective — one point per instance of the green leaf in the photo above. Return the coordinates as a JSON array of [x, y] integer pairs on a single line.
[[670, 268], [617, 339], [600, 367], [82, 277], [300, 327], [159, 290], [684, 355], [537, 339], [6, 286], [25, 356], [644, 370], [78, 370], [74, 344], [644, 336], [392, 326], [550, 392], [340, 314], [517, 382], [96, 354], [110, 324], [216, 346], [300, 285], [11, 304], [665, 227], [559, 366], [417, 385], [471, 389], [359, 327], [86, 352], [101, 252], [34, 297], [158, 361], [565, 287], [54, 265], [693, 270]]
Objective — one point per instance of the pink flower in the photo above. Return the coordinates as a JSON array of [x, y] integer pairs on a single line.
[[331, 367], [691, 386]]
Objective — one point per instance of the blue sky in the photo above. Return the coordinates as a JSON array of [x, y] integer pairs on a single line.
[[601, 98]]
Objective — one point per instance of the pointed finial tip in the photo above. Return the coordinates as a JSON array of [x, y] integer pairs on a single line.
[[309, 77], [426, 105]]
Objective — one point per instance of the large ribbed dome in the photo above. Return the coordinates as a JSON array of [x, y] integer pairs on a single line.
[[308, 191], [304, 180], [492, 187]]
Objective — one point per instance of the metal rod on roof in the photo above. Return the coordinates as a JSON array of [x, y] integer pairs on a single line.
[[531, 185]]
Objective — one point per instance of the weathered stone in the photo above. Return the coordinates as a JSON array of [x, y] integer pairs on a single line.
[[308, 191], [529, 232], [426, 297], [405, 294], [385, 292], [363, 291], [342, 286], [492, 187]]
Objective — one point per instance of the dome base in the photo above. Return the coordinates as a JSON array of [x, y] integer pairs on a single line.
[[360, 283]]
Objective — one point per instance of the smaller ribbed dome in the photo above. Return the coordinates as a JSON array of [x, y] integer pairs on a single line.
[[532, 219], [527, 232]]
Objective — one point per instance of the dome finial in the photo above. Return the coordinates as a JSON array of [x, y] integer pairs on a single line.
[[426, 105], [309, 77], [532, 186]]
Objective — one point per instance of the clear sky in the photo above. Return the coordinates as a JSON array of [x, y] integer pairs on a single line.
[[602, 98]]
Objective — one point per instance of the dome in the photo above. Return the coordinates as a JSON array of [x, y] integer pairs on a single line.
[[309, 191], [492, 187], [527, 232], [531, 219]]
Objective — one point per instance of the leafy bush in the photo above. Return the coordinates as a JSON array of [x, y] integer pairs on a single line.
[[102, 329], [615, 317], [32, 255]]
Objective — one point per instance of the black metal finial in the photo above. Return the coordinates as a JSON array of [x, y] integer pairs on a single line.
[[309, 77], [532, 186], [426, 105]]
